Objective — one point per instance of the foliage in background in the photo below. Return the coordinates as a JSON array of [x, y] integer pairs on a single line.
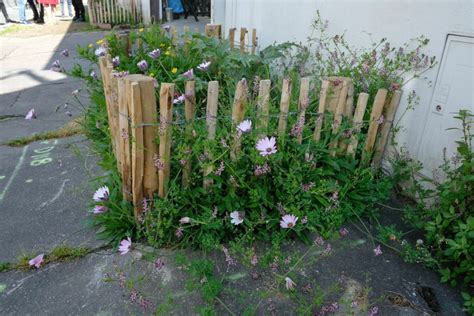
[[445, 213]]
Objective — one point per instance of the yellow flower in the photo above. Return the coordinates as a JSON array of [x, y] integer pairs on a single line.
[[141, 30], [100, 42], [162, 45], [90, 46], [174, 70], [167, 53], [151, 74]]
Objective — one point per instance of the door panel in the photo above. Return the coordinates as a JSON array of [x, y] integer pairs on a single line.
[[454, 90]]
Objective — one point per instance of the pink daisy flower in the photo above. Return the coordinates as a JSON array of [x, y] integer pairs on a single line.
[[266, 146], [289, 284], [244, 126], [100, 209], [125, 246], [237, 218], [30, 115], [37, 261], [102, 194], [288, 221]]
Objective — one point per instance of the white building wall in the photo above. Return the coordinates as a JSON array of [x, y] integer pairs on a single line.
[[363, 21]]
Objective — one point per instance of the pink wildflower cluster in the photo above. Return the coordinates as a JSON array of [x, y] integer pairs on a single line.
[[228, 258], [221, 169], [331, 308], [261, 170], [307, 186], [297, 129], [159, 164], [373, 311], [334, 200]]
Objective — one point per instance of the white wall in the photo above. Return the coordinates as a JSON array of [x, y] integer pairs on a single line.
[[399, 21]]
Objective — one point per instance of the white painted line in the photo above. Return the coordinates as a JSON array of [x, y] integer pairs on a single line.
[[17, 168]]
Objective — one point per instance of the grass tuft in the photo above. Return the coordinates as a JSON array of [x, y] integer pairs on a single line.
[[71, 128]]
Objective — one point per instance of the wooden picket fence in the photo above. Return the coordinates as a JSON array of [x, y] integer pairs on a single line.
[[107, 13], [133, 118]]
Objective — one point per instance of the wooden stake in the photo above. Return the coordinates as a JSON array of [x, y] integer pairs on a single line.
[[243, 31], [381, 143], [174, 34], [303, 102], [114, 112], [284, 106], [137, 147], [124, 144], [238, 113], [338, 113], [211, 122], [254, 41], [189, 112], [232, 37], [213, 30], [357, 123], [166, 117], [263, 105], [321, 110], [377, 109], [125, 40], [348, 112], [150, 177]]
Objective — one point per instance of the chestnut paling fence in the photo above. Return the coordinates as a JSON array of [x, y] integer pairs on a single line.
[[136, 122]]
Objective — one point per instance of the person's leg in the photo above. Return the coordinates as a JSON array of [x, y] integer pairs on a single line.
[[21, 9], [82, 11], [76, 10], [4, 11], [34, 9], [69, 7], [61, 3]]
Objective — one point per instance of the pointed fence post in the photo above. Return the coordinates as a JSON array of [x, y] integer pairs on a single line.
[[357, 123], [232, 37], [284, 106], [137, 156], [213, 30], [338, 114], [238, 113], [381, 143], [243, 32], [254, 41], [321, 110], [166, 117], [263, 106], [189, 112], [375, 116], [211, 122], [303, 102], [124, 144]]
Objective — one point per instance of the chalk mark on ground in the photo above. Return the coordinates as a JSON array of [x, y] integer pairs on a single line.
[[15, 172]]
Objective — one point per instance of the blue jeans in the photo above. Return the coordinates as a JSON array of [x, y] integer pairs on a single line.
[[69, 7], [21, 8]]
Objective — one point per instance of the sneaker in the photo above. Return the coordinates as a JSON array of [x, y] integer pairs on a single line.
[[39, 21], [75, 18], [25, 23], [81, 19]]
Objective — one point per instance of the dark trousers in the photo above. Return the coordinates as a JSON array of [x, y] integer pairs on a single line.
[[78, 8], [35, 10], [4, 10]]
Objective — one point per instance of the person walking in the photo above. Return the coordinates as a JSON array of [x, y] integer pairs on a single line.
[[69, 8], [4, 12], [79, 11]]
